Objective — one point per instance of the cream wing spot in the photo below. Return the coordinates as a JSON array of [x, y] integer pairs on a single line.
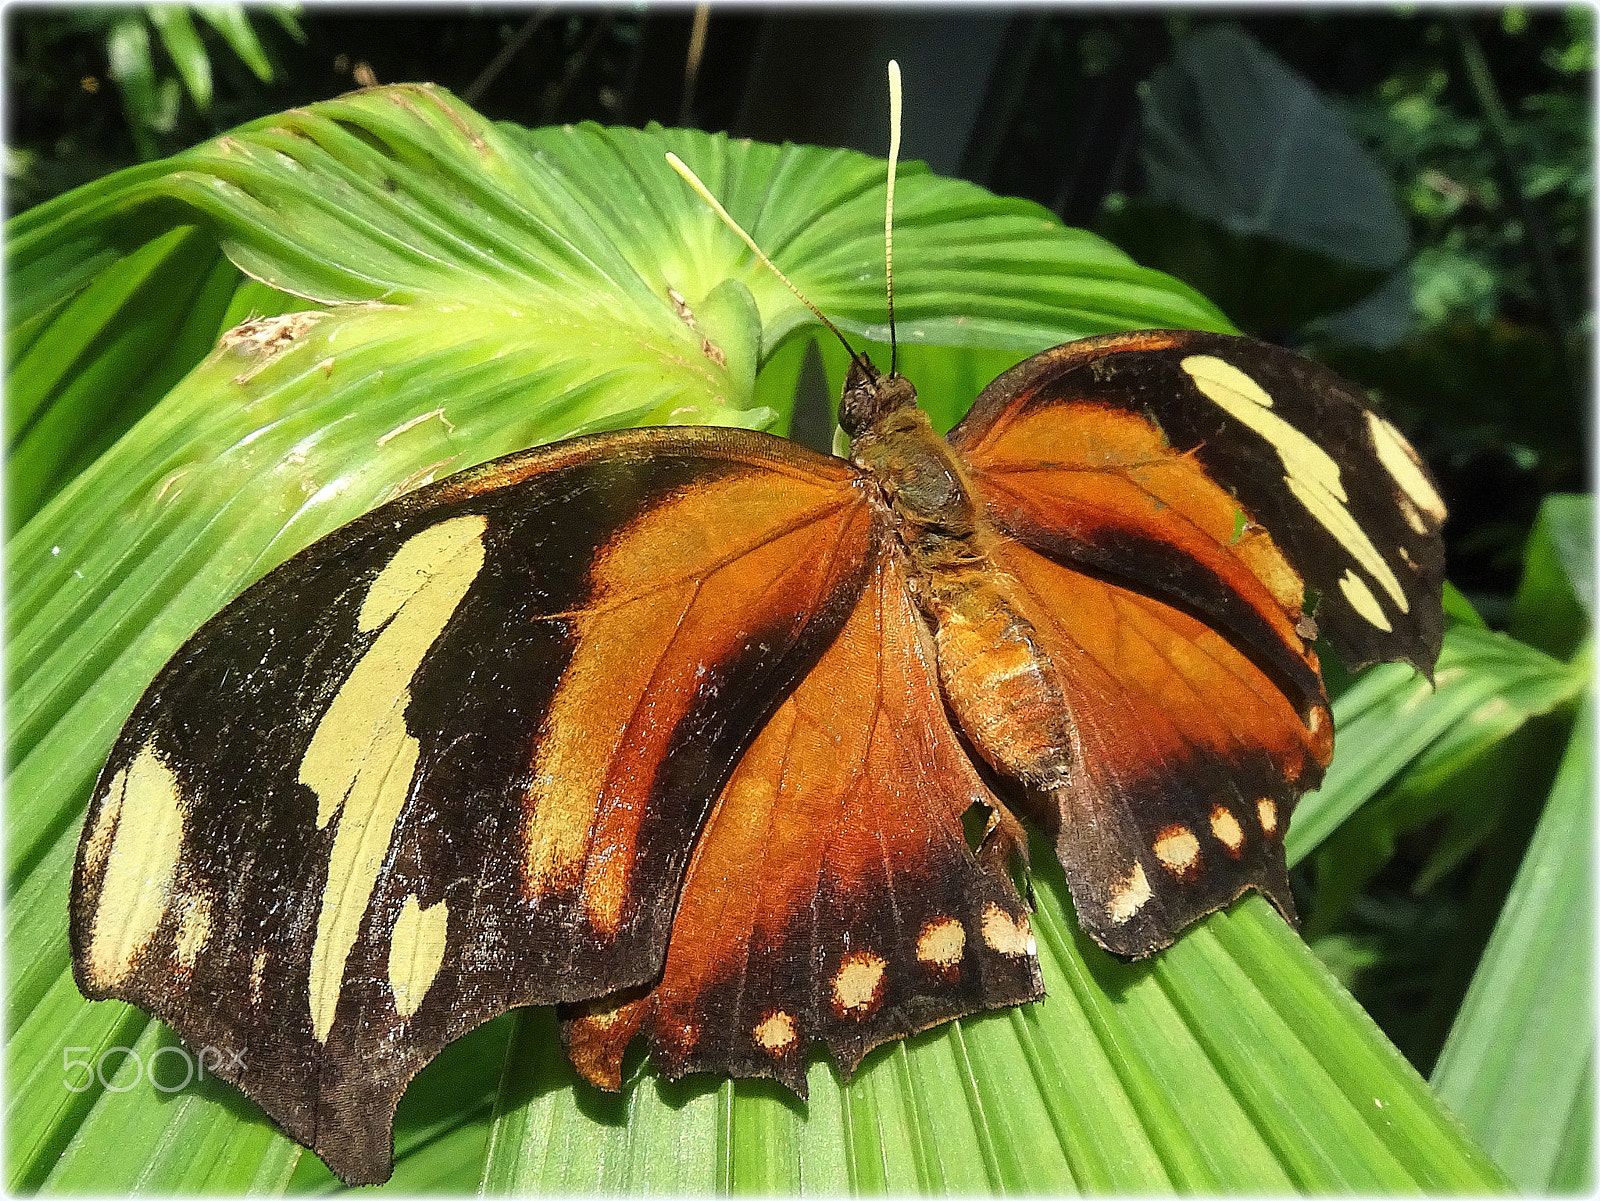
[[366, 828], [416, 951], [1217, 377], [416, 596], [1403, 463], [1310, 473], [858, 984], [941, 944], [1267, 811], [1362, 601], [1008, 935], [440, 550], [146, 836], [1178, 849], [775, 1033], [193, 932], [1130, 895], [105, 821], [1316, 719], [362, 760], [258, 970], [1227, 829], [1338, 521]]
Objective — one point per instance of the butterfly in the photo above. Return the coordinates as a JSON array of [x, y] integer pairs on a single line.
[[683, 729]]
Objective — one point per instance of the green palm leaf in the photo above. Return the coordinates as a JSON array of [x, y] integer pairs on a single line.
[[1519, 1062], [476, 289]]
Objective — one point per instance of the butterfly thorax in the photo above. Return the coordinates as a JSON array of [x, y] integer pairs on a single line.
[[996, 677]]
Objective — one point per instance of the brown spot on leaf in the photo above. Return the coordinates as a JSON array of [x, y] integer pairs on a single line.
[[268, 336], [681, 307]]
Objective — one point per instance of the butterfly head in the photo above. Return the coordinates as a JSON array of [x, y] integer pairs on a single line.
[[869, 396]]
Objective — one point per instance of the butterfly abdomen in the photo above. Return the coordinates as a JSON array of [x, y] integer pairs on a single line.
[[997, 680], [995, 676]]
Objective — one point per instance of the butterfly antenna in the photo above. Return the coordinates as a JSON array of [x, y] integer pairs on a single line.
[[693, 180], [888, 208]]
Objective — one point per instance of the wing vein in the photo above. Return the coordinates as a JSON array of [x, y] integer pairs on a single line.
[[700, 570]]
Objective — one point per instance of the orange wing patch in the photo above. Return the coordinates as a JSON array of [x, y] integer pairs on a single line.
[[833, 896], [1096, 485], [679, 588]]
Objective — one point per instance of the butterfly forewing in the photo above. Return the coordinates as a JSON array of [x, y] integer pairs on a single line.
[[1332, 503], [454, 758]]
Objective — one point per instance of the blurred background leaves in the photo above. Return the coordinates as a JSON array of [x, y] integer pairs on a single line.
[[157, 60]]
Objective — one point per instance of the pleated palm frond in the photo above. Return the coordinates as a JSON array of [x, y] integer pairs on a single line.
[[433, 290]]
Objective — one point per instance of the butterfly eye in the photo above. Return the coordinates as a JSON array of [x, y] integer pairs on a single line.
[[867, 400]]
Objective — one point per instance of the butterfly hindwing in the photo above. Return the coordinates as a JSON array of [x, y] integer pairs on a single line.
[[833, 897], [417, 775], [1187, 758], [1338, 494]]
